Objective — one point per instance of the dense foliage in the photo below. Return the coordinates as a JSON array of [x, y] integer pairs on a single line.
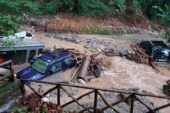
[[9, 25], [155, 10]]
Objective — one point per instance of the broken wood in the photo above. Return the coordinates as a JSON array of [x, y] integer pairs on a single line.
[[86, 65], [140, 56], [74, 74]]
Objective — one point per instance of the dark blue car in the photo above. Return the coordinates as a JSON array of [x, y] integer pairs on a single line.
[[47, 64]]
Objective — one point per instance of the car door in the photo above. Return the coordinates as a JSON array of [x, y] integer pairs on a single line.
[[68, 63], [56, 67]]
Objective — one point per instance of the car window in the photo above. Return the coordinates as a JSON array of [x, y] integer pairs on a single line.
[[147, 47], [69, 61], [55, 67], [40, 65]]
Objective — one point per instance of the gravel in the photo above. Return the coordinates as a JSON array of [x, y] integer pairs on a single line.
[[94, 44]]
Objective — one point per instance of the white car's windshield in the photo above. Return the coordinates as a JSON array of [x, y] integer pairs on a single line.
[[40, 65]]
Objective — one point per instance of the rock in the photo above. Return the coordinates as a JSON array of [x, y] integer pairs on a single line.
[[81, 81]]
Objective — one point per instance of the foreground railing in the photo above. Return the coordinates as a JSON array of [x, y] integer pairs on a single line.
[[7, 65], [130, 96]]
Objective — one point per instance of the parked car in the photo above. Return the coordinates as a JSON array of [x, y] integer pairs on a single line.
[[158, 50], [47, 64]]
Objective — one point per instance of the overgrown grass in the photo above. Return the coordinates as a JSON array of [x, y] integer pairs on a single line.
[[96, 30]]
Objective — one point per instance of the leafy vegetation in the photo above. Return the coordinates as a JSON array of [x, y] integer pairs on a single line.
[[8, 42], [9, 25], [156, 10], [33, 104], [96, 30], [166, 35], [150, 8]]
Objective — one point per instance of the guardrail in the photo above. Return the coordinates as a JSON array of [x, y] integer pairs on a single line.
[[130, 96]]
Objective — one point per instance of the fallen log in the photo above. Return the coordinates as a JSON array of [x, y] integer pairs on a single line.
[[86, 64], [84, 67]]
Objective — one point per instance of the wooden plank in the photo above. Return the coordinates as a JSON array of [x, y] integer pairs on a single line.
[[150, 110], [58, 94], [95, 100], [50, 90], [132, 103], [75, 100], [117, 102], [22, 87], [104, 100], [80, 97], [6, 63], [34, 91], [161, 107]]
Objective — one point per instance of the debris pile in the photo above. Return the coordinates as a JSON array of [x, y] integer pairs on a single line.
[[138, 55], [86, 65], [166, 88], [33, 104]]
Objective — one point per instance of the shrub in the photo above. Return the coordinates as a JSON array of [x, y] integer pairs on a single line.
[[120, 4], [166, 35], [51, 7], [19, 6], [96, 30], [86, 7], [9, 25], [163, 14]]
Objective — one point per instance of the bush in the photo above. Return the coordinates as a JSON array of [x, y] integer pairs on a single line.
[[96, 30], [9, 25], [162, 14], [51, 7], [19, 6], [86, 7], [166, 35], [156, 10]]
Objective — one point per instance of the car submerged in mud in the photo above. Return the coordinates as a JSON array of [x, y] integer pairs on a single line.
[[47, 64], [158, 50]]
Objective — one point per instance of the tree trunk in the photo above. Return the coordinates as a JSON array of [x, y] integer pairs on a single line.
[[84, 67]]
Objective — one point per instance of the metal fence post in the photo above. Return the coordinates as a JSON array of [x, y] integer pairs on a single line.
[[95, 100], [58, 94]]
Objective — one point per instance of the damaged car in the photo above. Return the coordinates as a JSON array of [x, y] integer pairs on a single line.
[[47, 64], [157, 50]]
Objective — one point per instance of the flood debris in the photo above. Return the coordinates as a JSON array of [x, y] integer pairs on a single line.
[[109, 51], [86, 65], [166, 88], [138, 55], [33, 104]]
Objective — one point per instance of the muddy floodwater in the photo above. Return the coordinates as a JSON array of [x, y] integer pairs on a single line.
[[118, 72]]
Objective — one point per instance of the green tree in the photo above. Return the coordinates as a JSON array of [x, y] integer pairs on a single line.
[[9, 25]]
